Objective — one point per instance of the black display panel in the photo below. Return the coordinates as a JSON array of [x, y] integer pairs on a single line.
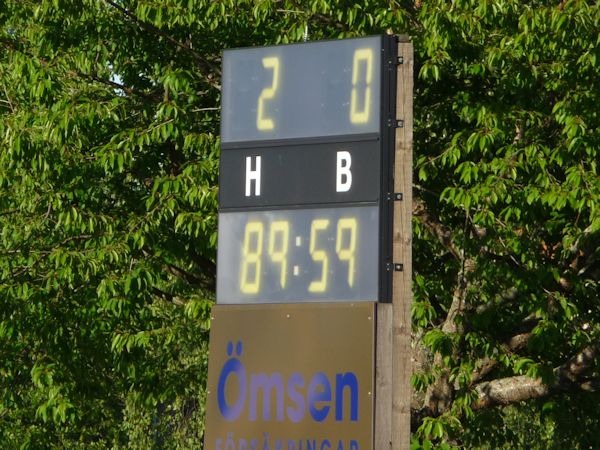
[[304, 255], [301, 174], [328, 88]]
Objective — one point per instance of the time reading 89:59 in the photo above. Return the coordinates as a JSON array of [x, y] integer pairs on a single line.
[[275, 242], [298, 255]]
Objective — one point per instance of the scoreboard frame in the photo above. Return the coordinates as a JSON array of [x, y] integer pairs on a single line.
[[291, 189]]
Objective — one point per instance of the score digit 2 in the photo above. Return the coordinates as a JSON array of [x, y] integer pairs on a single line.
[[262, 122]]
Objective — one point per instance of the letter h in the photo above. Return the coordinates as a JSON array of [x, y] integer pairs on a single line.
[[252, 175]]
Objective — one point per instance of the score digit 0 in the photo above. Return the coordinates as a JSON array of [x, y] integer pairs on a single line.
[[356, 114], [278, 237]]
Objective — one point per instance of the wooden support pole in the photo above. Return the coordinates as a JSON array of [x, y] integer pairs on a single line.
[[402, 252], [383, 378]]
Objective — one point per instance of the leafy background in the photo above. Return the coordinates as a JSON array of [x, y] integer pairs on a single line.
[[109, 125]]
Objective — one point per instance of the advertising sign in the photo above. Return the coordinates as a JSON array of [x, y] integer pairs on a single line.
[[291, 377]]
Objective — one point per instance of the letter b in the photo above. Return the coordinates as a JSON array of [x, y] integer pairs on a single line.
[[343, 178]]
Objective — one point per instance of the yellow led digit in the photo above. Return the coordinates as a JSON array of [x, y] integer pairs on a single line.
[[347, 252], [358, 115], [318, 255], [251, 258], [262, 122], [280, 230]]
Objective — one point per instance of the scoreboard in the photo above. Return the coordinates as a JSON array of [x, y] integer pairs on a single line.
[[307, 139]]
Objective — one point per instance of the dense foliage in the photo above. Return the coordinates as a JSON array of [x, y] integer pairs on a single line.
[[109, 124]]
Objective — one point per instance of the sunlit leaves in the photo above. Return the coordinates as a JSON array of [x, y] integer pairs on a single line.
[[97, 114], [506, 158], [108, 198]]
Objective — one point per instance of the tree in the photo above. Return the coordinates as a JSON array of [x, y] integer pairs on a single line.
[[108, 198], [506, 120]]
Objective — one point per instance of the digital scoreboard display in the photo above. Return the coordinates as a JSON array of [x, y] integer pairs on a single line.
[[330, 88], [306, 146]]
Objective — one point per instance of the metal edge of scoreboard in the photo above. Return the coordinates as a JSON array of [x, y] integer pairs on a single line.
[[388, 131]]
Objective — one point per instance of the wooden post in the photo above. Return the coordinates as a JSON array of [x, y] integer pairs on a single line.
[[402, 253], [383, 378]]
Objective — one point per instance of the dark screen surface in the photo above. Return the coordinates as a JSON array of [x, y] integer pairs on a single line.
[[301, 174]]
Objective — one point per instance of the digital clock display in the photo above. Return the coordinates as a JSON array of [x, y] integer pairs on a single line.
[[327, 88], [299, 255]]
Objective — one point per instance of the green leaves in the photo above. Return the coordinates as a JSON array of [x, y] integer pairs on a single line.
[[506, 147], [434, 431], [109, 125], [97, 113], [439, 342]]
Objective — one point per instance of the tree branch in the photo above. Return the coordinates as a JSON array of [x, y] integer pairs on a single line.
[[189, 277], [586, 258], [509, 390], [435, 227], [329, 21], [320, 17], [9, 212], [168, 297], [115, 85], [205, 264], [183, 274], [502, 299], [439, 395], [18, 47], [486, 365], [205, 65]]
